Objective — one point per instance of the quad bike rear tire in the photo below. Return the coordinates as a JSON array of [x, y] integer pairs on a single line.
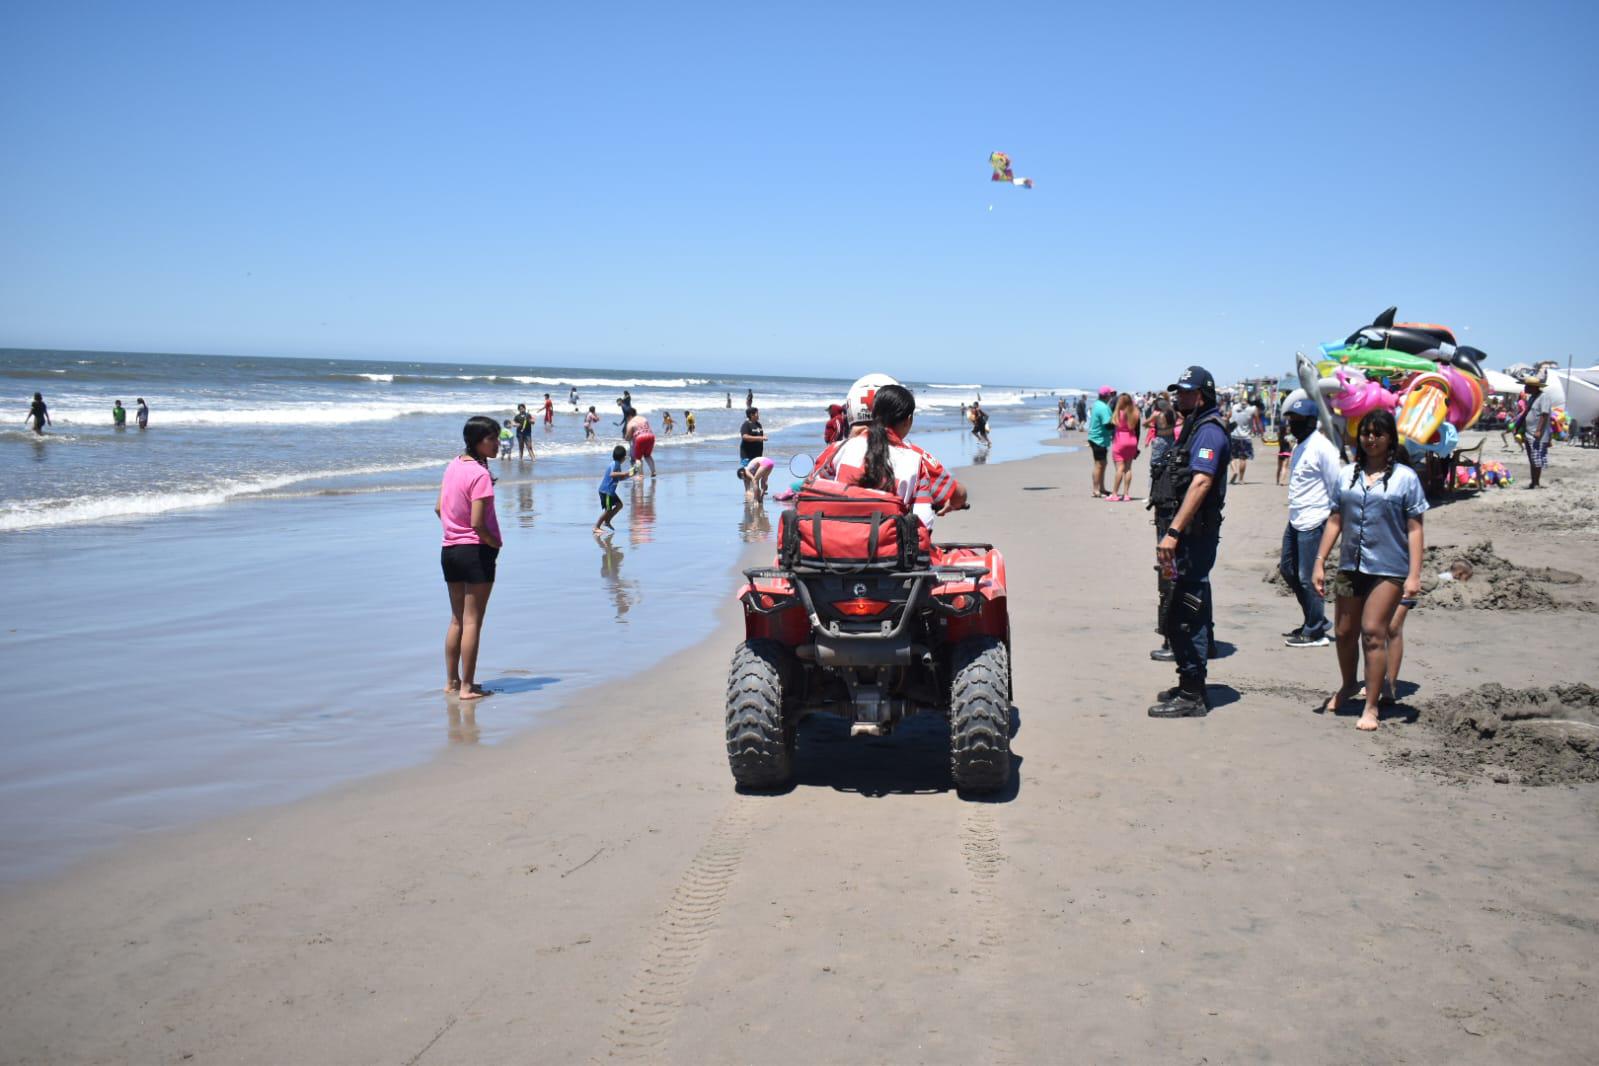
[[760, 735], [979, 716]]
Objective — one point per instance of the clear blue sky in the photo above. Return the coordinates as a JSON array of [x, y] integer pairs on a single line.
[[799, 188]]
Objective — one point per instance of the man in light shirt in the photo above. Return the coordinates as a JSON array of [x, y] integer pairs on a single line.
[[1540, 426], [1242, 443], [1312, 494]]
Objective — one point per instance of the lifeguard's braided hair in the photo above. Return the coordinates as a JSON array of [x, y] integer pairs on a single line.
[[892, 405], [1383, 422]]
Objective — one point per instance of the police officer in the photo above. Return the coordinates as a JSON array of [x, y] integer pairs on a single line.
[[1187, 552], [1163, 500]]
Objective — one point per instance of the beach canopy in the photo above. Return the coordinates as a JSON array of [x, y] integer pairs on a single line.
[[1501, 383], [1578, 392]]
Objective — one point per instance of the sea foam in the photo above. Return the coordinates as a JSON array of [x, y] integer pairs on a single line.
[[40, 514]]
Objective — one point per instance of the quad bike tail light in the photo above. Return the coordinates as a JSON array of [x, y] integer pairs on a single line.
[[860, 607]]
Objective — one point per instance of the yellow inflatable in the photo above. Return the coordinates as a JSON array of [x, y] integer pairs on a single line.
[[1423, 407]]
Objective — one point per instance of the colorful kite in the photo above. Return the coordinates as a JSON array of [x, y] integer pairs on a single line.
[[1001, 164]]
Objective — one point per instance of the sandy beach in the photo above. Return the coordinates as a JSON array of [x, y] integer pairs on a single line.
[[1262, 884]]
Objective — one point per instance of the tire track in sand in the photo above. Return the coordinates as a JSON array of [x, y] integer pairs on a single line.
[[984, 858], [656, 995]]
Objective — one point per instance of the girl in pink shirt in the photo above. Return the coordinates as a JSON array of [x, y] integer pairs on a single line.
[[471, 549]]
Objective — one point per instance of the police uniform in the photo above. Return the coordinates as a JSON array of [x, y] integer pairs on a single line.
[[1201, 448]]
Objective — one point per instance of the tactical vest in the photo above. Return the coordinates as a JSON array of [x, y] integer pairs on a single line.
[[1172, 477]]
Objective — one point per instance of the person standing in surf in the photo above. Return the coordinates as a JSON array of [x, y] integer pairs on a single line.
[[38, 414], [641, 441], [751, 437], [143, 414], [470, 554], [524, 431]]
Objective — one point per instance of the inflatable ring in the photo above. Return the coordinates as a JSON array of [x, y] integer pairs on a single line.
[[1465, 397], [1422, 408]]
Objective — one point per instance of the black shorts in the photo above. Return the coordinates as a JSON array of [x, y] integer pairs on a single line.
[[1357, 584], [609, 500], [1098, 450], [472, 563]]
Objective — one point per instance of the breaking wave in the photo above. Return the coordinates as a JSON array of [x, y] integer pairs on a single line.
[[39, 514]]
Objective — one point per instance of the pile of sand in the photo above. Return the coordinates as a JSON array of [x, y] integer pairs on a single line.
[[1534, 736], [1495, 583]]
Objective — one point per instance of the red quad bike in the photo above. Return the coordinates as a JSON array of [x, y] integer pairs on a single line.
[[863, 618]]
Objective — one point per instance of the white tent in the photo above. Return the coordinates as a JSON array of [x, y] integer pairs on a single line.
[[1578, 393], [1502, 383]]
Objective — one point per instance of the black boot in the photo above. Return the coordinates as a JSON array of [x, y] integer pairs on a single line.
[[1188, 702], [1163, 654]]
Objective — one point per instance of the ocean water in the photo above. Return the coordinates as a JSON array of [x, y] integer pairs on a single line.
[[242, 605], [225, 428]]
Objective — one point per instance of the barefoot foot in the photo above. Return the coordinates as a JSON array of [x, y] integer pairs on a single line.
[[1337, 700], [1368, 721]]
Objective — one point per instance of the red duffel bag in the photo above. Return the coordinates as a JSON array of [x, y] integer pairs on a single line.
[[834, 526]]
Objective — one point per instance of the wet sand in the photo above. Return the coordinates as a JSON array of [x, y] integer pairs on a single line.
[[179, 668], [1259, 884]]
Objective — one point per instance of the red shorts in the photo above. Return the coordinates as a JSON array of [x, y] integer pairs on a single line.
[[643, 445]]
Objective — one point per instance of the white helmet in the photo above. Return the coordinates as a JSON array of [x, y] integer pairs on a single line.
[[861, 394]]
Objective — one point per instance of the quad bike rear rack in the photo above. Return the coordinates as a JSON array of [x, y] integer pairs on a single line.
[[920, 579]]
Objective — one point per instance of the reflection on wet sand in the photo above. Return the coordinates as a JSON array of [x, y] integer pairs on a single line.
[[641, 523], [756, 523], [623, 593], [526, 514], [463, 724]]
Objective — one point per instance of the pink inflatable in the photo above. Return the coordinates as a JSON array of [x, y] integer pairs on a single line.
[[1465, 397], [1357, 396]]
